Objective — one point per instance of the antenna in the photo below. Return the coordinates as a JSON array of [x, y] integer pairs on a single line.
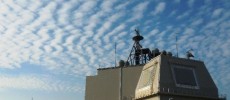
[[176, 45], [115, 54]]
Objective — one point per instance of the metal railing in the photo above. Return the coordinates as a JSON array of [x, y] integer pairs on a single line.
[[194, 93]]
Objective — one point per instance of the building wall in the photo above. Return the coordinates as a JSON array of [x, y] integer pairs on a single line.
[[106, 85], [103, 86]]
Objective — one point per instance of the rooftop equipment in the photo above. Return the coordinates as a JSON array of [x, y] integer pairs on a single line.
[[138, 55]]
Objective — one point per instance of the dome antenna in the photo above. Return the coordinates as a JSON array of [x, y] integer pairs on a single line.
[[189, 54]]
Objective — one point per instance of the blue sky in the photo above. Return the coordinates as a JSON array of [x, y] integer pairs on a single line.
[[49, 46]]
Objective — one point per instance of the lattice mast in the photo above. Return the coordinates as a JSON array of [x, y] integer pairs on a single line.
[[138, 55]]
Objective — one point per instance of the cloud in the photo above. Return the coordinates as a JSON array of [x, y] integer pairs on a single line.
[[217, 12], [159, 8], [31, 82], [177, 1], [197, 22], [114, 33], [123, 5], [107, 6], [185, 14], [33, 38], [191, 3], [138, 11], [87, 6]]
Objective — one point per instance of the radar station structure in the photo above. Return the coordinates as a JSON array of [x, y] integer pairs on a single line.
[[153, 75], [138, 55]]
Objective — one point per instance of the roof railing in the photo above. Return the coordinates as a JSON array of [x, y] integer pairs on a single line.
[[191, 93]]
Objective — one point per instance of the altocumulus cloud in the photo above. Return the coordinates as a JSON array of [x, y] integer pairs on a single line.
[[63, 36], [41, 83]]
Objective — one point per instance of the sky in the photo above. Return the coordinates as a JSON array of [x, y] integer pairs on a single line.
[[48, 47]]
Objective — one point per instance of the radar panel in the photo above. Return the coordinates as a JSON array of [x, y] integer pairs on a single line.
[[185, 77], [146, 78]]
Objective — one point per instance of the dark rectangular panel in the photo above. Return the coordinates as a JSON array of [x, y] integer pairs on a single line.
[[184, 76]]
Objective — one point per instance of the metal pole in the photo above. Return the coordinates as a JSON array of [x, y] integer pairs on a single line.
[[121, 78], [176, 46], [115, 54]]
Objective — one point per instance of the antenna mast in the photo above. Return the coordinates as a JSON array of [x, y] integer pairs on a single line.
[[176, 46], [138, 55], [115, 54]]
